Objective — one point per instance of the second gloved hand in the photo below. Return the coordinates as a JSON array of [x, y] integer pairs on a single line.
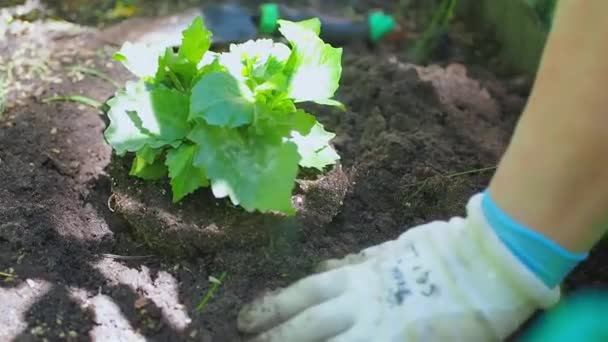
[[442, 281]]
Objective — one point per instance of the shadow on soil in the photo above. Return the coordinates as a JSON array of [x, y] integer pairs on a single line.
[[58, 229]]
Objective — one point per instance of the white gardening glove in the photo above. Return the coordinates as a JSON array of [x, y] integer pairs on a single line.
[[442, 281]]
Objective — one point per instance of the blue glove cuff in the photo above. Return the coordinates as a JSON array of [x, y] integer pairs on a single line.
[[549, 261]]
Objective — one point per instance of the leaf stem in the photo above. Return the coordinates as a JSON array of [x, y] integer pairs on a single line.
[[201, 306], [96, 73], [75, 98], [175, 80], [471, 171]]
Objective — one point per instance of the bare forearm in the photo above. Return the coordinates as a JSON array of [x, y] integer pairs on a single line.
[[554, 175]]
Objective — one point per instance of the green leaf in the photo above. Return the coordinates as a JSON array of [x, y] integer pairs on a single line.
[[148, 154], [281, 125], [143, 114], [274, 101], [314, 68], [196, 41], [208, 58], [302, 122], [260, 58], [140, 59], [206, 67], [331, 102], [313, 24], [277, 82], [322, 158], [123, 132], [175, 71], [164, 114], [185, 177], [221, 100], [314, 147], [254, 171], [271, 61], [147, 169]]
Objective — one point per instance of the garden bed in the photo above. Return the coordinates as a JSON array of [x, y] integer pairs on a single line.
[[401, 130], [98, 255]]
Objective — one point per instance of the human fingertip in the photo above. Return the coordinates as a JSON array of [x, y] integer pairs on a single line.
[[246, 318], [324, 266], [258, 314]]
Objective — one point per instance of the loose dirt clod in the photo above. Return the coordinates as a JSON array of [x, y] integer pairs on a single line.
[[321, 199]]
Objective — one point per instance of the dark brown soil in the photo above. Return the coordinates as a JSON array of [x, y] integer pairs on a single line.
[[82, 273], [201, 224]]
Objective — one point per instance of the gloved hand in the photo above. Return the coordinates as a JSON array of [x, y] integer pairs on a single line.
[[442, 281]]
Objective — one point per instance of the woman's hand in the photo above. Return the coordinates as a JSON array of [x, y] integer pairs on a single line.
[[442, 281]]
